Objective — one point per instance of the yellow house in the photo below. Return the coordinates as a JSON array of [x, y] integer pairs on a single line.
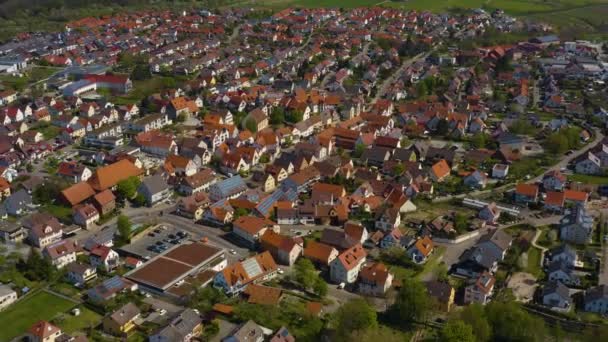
[[121, 321]]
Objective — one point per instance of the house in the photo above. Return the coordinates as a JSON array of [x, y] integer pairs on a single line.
[[227, 188], [109, 288], [320, 253], [345, 268], [249, 331], [18, 203], [374, 280], [440, 171], [133, 263], [44, 229], [556, 296], [480, 290], [421, 250], [576, 226], [198, 182], [576, 197], [74, 172], [179, 165], [154, 189], [476, 180], [356, 231], [184, 327], [12, 233], [555, 201], [61, 253], [490, 213], [388, 220], [251, 228], [104, 257], [85, 215], [121, 321], [526, 193], [284, 249], [7, 296], [79, 274], [107, 177], [193, 206], [500, 171], [77, 193], [258, 118], [496, 242], [563, 253], [560, 271], [391, 239], [554, 181], [443, 293], [596, 299], [105, 202], [43, 331], [235, 277]]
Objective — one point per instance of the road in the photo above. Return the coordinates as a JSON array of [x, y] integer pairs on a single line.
[[391, 79], [567, 159]]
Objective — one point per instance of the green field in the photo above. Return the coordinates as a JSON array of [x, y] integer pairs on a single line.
[[86, 319], [19, 317], [588, 179]]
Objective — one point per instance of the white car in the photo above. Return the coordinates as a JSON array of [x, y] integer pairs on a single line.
[[280, 271], [232, 251], [162, 312], [341, 286]]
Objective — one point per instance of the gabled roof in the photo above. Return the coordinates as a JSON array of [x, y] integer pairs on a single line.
[[530, 190], [108, 176], [441, 169], [249, 269], [78, 193], [43, 330], [352, 257]]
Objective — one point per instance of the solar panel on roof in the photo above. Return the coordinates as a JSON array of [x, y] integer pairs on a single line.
[[252, 267]]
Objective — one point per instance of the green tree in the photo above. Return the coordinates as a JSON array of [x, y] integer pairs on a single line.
[[124, 228], [457, 331], [277, 116], [511, 323], [479, 140], [474, 316], [251, 125], [320, 287], [141, 72], [127, 188], [294, 116], [358, 151], [305, 273], [354, 316], [36, 267], [412, 303]]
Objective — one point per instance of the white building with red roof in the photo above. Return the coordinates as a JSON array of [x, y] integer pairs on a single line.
[[345, 268]]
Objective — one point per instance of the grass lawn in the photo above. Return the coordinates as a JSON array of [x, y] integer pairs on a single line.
[[589, 179], [33, 75], [534, 255], [433, 262], [38, 306], [86, 319], [64, 214]]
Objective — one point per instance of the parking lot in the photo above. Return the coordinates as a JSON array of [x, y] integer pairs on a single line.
[[157, 240]]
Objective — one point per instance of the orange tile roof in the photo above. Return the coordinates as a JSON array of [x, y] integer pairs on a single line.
[[108, 176], [78, 192], [318, 251], [555, 198], [264, 295], [425, 246], [573, 195], [352, 256], [236, 272], [252, 224], [441, 169], [104, 197], [527, 189]]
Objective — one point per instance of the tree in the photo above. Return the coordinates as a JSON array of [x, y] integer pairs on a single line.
[[511, 323], [294, 116], [398, 169], [124, 228], [36, 267], [181, 118], [457, 331], [354, 316], [305, 273], [474, 316], [412, 303], [251, 125], [320, 287], [479, 140], [358, 151], [277, 116], [442, 127], [141, 72], [127, 188]]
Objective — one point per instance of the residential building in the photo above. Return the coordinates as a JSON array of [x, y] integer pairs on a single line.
[[121, 321], [443, 293], [7, 296], [235, 277], [577, 226], [421, 250], [284, 249], [596, 299], [375, 280], [79, 274], [104, 257], [320, 253], [388, 220], [556, 296], [345, 268], [480, 290], [61, 253], [251, 229], [227, 189], [43, 331], [184, 327], [154, 189], [85, 215], [559, 271], [526, 193]]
